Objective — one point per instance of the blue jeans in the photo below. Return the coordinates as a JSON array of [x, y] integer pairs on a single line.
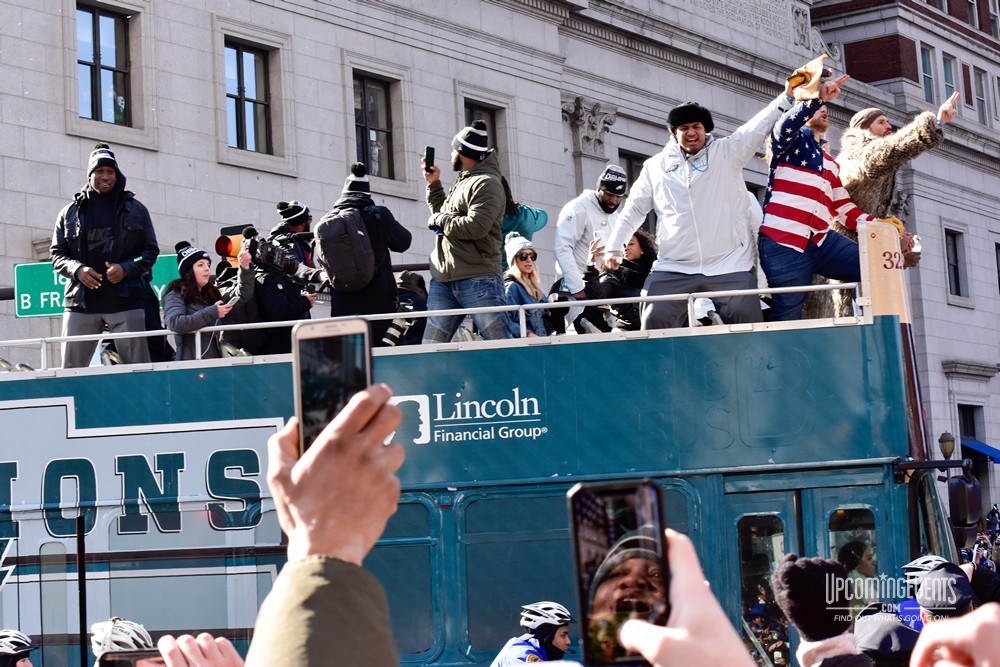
[[478, 292], [837, 258]]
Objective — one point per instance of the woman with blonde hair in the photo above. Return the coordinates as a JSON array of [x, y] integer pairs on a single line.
[[522, 285]]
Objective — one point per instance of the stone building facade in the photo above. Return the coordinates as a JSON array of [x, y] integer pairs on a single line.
[[218, 110]]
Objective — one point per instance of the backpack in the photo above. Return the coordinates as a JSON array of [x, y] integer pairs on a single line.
[[343, 248]]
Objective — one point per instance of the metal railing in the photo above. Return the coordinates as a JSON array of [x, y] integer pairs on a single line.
[[43, 343]]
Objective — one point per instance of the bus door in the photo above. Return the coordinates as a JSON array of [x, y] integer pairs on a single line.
[[761, 527]]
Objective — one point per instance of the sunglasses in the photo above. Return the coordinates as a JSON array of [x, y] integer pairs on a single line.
[[525, 256]]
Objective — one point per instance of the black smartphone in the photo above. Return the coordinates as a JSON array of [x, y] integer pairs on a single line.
[[142, 658], [331, 362], [428, 158], [622, 570]]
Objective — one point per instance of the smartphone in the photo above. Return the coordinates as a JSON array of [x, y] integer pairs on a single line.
[[234, 300], [622, 571], [141, 658], [428, 158], [331, 361]]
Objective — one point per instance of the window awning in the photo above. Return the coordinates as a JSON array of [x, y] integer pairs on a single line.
[[992, 452]]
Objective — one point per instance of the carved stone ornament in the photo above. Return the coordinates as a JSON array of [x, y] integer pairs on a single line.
[[589, 122]]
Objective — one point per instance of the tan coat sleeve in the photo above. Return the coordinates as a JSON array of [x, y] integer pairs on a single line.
[[323, 611]]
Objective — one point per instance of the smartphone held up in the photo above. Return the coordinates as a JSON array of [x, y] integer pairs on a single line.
[[428, 158], [331, 362], [620, 552], [138, 658]]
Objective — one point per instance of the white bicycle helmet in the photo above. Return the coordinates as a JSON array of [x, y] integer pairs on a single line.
[[915, 570], [118, 634], [540, 613], [13, 642]]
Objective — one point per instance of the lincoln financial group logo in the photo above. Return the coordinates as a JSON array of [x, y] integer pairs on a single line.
[[454, 418]]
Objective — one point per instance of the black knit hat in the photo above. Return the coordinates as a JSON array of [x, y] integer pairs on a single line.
[[101, 156], [613, 180], [292, 213], [357, 180], [690, 112], [812, 593], [472, 141], [187, 255]]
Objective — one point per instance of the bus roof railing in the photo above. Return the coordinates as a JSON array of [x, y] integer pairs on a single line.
[[42, 343]]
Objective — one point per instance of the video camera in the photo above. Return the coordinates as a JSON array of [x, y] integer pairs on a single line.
[[268, 254]]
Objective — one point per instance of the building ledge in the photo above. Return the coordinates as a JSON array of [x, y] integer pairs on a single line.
[[969, 369]]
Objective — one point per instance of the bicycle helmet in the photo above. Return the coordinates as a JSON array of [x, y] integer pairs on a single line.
[[13, 642], [541, 613], [118, 634], [915, 570]]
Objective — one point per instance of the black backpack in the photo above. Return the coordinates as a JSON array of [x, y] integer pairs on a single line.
[[344, 249]]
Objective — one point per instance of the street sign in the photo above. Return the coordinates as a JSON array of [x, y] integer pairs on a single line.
[[38, 290]]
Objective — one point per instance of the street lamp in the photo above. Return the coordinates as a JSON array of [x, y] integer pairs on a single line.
[[946, 443]]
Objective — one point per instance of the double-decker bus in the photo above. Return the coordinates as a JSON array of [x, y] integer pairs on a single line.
[[140, 491]]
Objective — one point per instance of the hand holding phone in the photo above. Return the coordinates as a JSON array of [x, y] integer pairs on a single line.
[[233, 300], [331, 362], [621, 564], [428, 158]]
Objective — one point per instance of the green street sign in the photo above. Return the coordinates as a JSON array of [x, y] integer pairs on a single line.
[[38, 290]]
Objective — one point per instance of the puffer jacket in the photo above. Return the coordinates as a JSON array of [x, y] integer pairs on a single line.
[[135, 242], [469, 244], [700, 201], [185, 319], [868, 164]]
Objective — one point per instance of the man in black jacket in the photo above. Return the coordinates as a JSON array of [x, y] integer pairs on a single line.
[[384, 234], [104, 244]]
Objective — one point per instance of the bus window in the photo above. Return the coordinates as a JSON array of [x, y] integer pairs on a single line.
[[852, 542], [761, 541], [517, 551]]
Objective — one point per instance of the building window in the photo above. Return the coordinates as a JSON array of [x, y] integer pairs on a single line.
[[950, 67], [968, 417], [102, 65], [973, 13], [937, 4], [373, 124], [953, 253], [996, 247], [995, 18], [247, 99], [632, 164], [979, 84], [927, 72], [488, 115]]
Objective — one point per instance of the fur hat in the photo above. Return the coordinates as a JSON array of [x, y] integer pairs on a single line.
[[613, 180], [187, 255], [473, 141], [292, 213], [357, 180], [802, 588], [690, 112], [864, 118], [101, 156], [514, 244]]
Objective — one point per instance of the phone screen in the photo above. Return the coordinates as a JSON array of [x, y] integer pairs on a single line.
[[428, 157], [145, 658], [621, 564], [331, 369]]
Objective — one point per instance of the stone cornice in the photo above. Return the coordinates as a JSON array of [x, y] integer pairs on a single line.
[[972, 370]]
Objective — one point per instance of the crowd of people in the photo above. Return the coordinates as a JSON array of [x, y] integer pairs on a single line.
[[708, 238]]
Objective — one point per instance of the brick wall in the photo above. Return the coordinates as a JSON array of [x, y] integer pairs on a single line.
[[882, 58]]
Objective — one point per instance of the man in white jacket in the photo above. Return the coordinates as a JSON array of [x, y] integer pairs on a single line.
[[586, 218], [695, 185]]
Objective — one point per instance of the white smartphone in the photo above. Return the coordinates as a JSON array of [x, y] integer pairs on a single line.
[[235, 299], [331, 361]]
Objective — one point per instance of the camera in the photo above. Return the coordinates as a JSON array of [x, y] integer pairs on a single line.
[[398, 327], [269, 253]]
